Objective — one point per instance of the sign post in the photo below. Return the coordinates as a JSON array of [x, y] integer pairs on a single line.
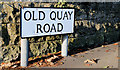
[[64, 48], [24, 52]]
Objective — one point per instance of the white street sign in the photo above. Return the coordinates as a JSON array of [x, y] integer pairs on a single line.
[[46, 21]]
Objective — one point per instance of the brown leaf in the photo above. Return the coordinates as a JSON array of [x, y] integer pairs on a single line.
[[41, 60], [88, 64], [107, 51], [31, 58], [45, 60], [48, 54], [118, 57], [72, 55], [37, 65], [115, 44], [2, 63]]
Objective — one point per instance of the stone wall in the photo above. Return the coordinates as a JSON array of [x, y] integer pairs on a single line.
[[95, 24]]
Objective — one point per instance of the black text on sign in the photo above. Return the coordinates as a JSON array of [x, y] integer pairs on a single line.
[[46, 21]]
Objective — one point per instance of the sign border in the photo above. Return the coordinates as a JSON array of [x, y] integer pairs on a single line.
[[44, 35]]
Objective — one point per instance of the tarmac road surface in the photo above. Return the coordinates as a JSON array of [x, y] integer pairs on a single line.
[[106, 56]]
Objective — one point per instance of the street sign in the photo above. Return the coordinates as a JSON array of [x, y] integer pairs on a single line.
[[46, 21]]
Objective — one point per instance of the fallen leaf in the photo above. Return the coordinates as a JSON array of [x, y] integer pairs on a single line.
[[107, 51], [34, 64], [41, 63], [86, 52], [50, 59], [6, 65], [88, 64], [45, 60], [90, 61], [118, 57], [55, 57], [30, 58], [115, 44], [41, 60], [98, 50], [48, 54], [40, 56], [86, 61], [38, 65], [51, 63], [62, 63], [82, 56], [104, 46], [18, 62], [73, 59], [36, 57], [14, 66], [9, 64], [72, 55], [2, 63], [106, 66]]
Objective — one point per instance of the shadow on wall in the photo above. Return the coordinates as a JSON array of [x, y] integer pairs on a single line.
[[98, 24]]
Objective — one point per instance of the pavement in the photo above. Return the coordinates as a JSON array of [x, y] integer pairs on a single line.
[[106, 56]]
